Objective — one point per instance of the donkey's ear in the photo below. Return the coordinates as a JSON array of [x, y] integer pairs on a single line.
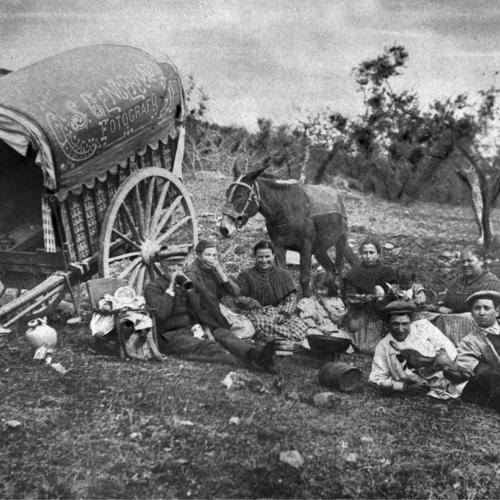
[[236, 171], [253, 174]]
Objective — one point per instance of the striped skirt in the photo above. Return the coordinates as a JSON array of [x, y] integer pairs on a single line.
[[365, 329], [455, 326]]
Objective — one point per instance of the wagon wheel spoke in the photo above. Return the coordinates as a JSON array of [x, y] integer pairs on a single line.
[[124, 256], [130, 268], [126, 238], [151, 272], [149, 204], [159, 207], [139, 210], [140, 279], [166, 216], [130, 222], [173, 229]]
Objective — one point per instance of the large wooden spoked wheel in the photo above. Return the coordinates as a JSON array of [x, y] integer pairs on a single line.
[[150, 218]]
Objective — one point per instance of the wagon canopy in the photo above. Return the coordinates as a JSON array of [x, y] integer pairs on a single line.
[[89, 109]]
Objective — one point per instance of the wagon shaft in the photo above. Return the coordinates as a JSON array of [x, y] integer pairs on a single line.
[[31, 300]]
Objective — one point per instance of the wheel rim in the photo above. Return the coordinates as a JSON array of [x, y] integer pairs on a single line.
[[150, 217]]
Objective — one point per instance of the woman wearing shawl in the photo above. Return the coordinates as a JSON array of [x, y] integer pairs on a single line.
[[269, 299], [364, 289], [207, 273]]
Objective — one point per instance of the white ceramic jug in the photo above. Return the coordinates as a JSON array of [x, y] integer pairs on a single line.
[[40, 334]]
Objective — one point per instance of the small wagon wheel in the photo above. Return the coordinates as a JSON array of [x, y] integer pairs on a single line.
[[150, 217]]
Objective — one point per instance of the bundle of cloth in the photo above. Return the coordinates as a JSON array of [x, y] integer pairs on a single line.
[[323, 315], [129, 309]]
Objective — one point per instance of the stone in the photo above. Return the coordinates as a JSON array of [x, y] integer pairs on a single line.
[[13, 424], [324, 399], [292, 457], [367, 439]]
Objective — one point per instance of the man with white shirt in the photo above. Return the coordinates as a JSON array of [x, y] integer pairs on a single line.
[[479, 352], [391, 373]]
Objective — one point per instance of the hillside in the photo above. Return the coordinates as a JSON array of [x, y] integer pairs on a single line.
[[111, 429]]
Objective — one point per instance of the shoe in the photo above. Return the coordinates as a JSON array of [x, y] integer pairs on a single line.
[[265, 358]]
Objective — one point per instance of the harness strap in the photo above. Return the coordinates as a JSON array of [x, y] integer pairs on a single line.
[[254, 196]]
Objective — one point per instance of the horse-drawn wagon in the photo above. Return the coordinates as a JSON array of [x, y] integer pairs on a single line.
[[91, 147]]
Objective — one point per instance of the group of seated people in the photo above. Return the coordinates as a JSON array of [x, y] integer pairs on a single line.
[[448, 349], [264, 293]]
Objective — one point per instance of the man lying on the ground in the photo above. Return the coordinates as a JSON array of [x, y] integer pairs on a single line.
[[478, 359], [393, 372], [179, 305]]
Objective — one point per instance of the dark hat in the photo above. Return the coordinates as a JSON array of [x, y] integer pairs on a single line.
[[483, 294], [399, 307], [172, 258], [203, 245]]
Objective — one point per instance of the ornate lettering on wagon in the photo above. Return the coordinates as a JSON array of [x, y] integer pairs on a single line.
[[65, 132], [119, 108]]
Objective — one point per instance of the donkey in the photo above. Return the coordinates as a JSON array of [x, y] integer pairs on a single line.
[[309, 219]]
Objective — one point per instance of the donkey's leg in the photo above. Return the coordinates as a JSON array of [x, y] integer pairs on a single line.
[[305, 268], [280, 255], [321, 254], [340, 250]]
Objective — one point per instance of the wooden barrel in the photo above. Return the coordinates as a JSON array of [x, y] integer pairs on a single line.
[[342, 376]]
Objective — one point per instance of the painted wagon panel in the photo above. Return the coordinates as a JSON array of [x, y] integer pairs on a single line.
[[95, 105]]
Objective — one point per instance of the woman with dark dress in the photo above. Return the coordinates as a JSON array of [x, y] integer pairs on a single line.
[[473, 278], [269, 299], [364, 289], [455, 320]]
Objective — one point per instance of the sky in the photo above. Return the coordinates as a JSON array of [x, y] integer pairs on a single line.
[[279, 59]]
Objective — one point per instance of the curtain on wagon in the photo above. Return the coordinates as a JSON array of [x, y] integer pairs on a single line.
[[19, 134]]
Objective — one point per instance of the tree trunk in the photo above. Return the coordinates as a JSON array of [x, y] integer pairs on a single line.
[[307, 155], [469, 175], [487, 177]]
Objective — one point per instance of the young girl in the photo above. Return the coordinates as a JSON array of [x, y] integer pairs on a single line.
[[364, 288], [406, 288]]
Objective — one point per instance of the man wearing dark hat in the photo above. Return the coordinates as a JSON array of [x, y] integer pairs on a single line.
[[478, 360], [390, 371], [179, 305]]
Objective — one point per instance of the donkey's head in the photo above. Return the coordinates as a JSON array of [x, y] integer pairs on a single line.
[[242, 201]]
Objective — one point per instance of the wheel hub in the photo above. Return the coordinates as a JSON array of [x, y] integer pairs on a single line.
[[149, 251]]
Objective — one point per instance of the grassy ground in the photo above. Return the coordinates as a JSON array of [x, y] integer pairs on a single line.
[[110, 429]]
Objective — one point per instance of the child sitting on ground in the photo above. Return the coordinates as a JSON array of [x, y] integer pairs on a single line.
[[406, 288]]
